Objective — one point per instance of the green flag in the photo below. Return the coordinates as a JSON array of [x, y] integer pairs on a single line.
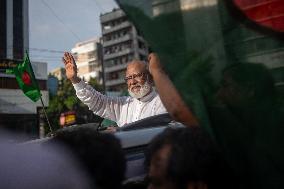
[[26, 79], [224, 66]]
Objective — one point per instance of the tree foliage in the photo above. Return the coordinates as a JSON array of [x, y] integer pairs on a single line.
[[66, 100]]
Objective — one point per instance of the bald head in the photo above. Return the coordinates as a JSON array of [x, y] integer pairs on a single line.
[[136, 66]]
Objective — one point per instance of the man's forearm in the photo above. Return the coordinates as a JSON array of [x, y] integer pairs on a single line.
[[172, 100], [101, 105]]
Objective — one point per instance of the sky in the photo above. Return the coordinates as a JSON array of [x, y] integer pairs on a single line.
[[56, 26]]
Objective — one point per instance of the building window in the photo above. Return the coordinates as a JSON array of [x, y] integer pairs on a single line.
[[113, 75], [92, 54], [18, 36], [11, 83], [3, 29], [142, 57], [141, 45]]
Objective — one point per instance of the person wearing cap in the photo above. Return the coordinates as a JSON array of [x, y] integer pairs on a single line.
[[143, 101]]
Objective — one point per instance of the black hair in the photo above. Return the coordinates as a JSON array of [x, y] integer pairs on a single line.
[[100, 153], [193, 157]]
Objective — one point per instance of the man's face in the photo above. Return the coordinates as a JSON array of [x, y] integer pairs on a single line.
[[135, 76], [158, 168], [137, 80]]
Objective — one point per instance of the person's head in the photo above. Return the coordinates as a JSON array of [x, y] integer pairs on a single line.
[[30, 165], [138, 79], [185, 158], [100, 153], [246, 84]]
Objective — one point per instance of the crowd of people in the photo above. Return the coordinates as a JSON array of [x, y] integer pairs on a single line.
[[178, 158], [83, 158]]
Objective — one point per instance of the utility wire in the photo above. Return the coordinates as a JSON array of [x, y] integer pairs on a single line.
[[46, 50], [40, 50], [53, 12]]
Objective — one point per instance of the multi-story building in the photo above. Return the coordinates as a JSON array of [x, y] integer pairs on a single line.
[[121, 43], [14, 30], [52, 85], [88, 56], [17, 112], [247, 45]]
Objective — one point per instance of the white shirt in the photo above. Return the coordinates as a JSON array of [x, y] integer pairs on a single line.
[[122, 110]]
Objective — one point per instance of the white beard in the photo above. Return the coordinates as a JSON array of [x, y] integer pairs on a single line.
[[144, 90]]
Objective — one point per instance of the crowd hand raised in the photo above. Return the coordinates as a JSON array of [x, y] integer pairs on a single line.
[[154, 63], [70, 67]]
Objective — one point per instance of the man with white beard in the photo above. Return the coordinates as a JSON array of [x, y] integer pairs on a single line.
[[143, 101]]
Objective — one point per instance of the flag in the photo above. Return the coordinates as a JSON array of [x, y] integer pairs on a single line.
[[26, 79], [223, 65]]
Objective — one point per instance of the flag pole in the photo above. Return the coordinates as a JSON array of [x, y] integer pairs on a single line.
[[50, 128]]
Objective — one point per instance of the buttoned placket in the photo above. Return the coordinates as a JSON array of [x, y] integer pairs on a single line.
[[138, 112]]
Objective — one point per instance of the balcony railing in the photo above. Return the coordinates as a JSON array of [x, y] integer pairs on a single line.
[[143, 52], [124, 24], [118, 40], [112, 16], [114, 82], [115, 67], [117, 54]]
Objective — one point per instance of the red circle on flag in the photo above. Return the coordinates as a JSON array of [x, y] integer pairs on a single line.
[[26, 78], [266, 13]]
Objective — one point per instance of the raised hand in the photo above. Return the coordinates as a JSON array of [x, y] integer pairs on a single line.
[[70, 67], [169, 95], [154, 63]]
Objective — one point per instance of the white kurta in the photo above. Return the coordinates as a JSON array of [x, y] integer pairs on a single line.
[[122, 110]]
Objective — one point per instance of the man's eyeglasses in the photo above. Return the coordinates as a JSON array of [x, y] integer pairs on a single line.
[[138, 76]]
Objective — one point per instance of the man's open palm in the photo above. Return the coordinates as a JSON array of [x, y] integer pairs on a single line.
[[70, 67]]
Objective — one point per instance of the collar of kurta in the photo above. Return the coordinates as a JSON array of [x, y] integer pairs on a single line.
[[148, 97]]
